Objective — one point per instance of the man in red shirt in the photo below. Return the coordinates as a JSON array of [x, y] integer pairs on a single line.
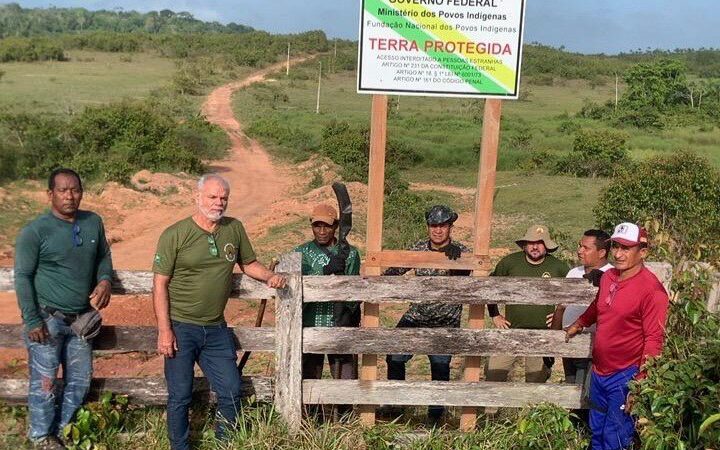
[[630, 311]]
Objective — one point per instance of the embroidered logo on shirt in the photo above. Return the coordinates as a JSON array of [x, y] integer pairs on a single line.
[[158, 258], [230, 252]]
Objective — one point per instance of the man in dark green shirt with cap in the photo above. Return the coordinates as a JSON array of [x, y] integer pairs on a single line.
[[322, 256], [534, 260], [62, 264]]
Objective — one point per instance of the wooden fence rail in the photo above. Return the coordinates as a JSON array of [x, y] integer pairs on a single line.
[[288, 340]]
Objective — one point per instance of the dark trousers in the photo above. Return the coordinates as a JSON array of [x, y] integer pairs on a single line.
[[213, 348], [439, 368], [342, 367]]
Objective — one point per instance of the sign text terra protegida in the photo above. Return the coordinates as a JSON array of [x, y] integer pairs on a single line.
[[465, 47]]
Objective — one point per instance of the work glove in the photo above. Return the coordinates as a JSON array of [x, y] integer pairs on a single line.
[[452, 251], [594, 277], [336, 265]]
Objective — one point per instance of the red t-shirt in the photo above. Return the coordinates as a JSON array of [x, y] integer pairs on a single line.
[[630, 317]]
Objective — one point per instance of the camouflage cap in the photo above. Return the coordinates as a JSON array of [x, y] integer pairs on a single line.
[[439, 214]]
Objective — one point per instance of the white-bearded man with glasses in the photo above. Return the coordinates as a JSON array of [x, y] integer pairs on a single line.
[[193, 269]]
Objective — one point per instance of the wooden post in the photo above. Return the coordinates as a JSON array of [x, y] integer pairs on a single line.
[[376, 193], [483, 233], [288, 343], [287, 65], [616, 91], [317, 105]]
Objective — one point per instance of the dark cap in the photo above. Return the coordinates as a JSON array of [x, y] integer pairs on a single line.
[[440, 214]]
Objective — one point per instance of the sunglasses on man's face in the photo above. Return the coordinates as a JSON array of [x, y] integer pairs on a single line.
[[77, 239], [213, 246]]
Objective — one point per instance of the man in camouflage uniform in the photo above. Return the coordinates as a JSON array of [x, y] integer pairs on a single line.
[[439, 219]]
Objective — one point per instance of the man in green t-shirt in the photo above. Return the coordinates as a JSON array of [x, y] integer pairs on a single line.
[[62, 264], [534, 260], [193, 269], [322, 256]]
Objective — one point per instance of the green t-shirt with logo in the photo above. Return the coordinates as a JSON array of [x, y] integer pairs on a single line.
[[200, 265], [516, 265]]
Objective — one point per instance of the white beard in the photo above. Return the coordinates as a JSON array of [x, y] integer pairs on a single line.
[[211, 215]]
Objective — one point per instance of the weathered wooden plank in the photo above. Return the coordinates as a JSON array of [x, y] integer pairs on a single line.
[[288, 343], [663, 271], [418, 260], [143, 391], [140, 282], [455, 290], [713, 303], [445, 341], [397, 289], [144, 339], [454, 393]]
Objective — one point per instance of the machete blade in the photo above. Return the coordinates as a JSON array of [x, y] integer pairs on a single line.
[[345, 208]]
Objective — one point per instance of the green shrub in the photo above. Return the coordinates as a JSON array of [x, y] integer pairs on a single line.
[[108, 142], [547, 426], [8, 162], [642, 117], [681, 192], [592, 110], [349, 147], [681, 390], [96, 422], [595, 153], [29, 50], [41, 143], [295, 138], [568, 126], [538, 160]]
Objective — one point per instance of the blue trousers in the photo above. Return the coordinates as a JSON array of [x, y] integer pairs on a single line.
[[612, 428], [50, 410], [213, 348]]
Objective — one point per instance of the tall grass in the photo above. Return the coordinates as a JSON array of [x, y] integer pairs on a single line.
[[260, 428]]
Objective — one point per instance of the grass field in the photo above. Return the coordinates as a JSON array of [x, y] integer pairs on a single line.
[[88, 78], [443, 129], [444, 132]]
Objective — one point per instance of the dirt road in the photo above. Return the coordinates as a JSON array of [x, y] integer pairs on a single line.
[[139, 218], [256, 182]]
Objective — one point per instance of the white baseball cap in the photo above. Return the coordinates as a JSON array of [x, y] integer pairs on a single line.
[[629, 234]]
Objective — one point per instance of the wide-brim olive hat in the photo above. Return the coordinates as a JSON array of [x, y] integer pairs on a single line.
[[538, 233]]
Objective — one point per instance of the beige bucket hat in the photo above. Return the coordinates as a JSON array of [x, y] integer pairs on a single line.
[[538, 233]]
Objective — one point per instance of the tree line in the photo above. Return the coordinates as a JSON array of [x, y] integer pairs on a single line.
[[249, 49], [27, 22]]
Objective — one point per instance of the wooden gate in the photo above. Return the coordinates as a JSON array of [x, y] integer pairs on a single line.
[[288, 340]]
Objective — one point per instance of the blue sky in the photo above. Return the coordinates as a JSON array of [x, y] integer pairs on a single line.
[[588, 26]]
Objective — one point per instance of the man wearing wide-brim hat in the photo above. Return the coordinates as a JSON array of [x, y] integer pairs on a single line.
[[534, 260]]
